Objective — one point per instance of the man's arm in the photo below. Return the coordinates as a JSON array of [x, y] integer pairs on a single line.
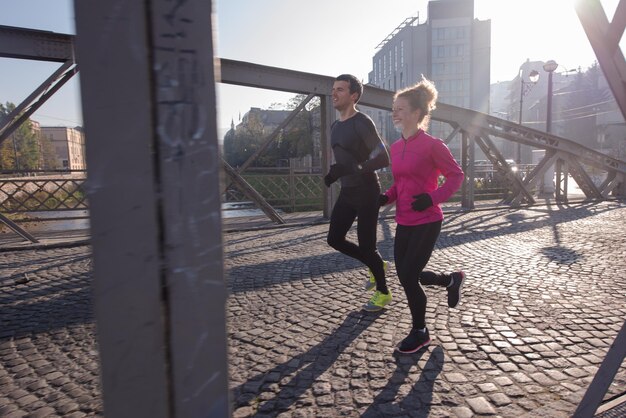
[[379, 156]]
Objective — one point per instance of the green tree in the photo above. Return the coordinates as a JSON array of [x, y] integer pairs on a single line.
[[295, 141], [298, 98], [20, 151], [244, 141]]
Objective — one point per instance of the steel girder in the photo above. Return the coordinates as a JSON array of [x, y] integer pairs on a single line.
[[467, 157], [561, 181], [32, 44], [280, 79], [604, 37], [148, 95], [28, 106], [275, 133], [36, 45], [475, 124], [535, 176], [251, 193], [500, 164], [235, 174]]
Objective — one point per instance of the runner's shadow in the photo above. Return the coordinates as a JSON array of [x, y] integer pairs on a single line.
[[302, 371], [418, 401]]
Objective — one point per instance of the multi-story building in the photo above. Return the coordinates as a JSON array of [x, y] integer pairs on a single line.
[[451, 48], [69, 145]]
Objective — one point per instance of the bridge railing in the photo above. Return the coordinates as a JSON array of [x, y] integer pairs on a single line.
[[285, 188], [35, 191], [291, 190]]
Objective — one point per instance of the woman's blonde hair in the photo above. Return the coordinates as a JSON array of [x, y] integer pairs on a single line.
[[422, 96]]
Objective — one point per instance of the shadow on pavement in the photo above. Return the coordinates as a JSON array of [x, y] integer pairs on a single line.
[[54, 294], [304, 369], [458, 229], [243, 278], [419, 400]]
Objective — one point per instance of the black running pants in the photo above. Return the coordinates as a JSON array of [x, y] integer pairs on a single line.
[[412, 249], [359, 203]]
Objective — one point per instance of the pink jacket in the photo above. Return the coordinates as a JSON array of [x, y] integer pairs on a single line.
[[416, 164]]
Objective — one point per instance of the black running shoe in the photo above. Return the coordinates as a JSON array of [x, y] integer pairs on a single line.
[[454, 290], [414, 341]]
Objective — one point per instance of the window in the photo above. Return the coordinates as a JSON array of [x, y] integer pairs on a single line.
[[439, 51], [384, 66], [395, 61], [375, 73], [437, 68]]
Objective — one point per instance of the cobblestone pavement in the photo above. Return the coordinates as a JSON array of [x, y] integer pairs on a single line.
[[544, 299], [48, 351]]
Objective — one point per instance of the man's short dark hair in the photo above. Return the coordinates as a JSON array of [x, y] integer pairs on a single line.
[[355, 84]]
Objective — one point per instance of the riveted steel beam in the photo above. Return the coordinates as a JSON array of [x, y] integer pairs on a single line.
[[32, 44], [531, 180], [500, 164], [604, 37]]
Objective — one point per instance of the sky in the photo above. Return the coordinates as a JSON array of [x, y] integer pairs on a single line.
[[326, 37]]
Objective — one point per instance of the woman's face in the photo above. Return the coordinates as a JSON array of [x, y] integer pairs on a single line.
[[405, 119]]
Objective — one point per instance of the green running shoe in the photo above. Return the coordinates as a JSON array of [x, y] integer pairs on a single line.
[[370, 284], [377, 302]]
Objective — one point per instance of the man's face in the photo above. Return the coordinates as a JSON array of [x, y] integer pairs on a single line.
[[342, 99]]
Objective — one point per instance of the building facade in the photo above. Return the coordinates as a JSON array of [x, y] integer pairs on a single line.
[[69, 146], [451, 48], [297, 145]]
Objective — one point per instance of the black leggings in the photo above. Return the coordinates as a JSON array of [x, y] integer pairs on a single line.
[[412, 249], [361, 202]]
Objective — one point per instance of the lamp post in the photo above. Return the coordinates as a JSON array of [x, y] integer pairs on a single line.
[[549, 67], [548, 180], [533, 76]]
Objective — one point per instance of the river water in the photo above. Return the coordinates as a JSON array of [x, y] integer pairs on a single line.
[[49, 221]]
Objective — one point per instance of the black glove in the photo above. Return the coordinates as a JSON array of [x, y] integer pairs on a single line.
[[382, 200], [336, 171], [422, 202]]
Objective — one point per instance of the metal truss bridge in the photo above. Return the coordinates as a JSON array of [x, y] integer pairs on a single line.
[[158, 56]]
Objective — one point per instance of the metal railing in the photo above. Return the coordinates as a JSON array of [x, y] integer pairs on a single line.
[[33, 191], [290, 190]]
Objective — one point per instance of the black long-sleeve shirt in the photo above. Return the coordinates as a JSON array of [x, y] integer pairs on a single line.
[[355, 141]]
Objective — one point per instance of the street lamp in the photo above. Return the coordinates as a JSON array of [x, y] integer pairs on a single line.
[[549, 67], [548, 179], [533, 76], [526, 87]]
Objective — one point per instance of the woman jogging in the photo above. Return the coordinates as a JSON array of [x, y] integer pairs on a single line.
[[417, 161]]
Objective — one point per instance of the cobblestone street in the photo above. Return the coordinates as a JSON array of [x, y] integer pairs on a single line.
[[543, 301]]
